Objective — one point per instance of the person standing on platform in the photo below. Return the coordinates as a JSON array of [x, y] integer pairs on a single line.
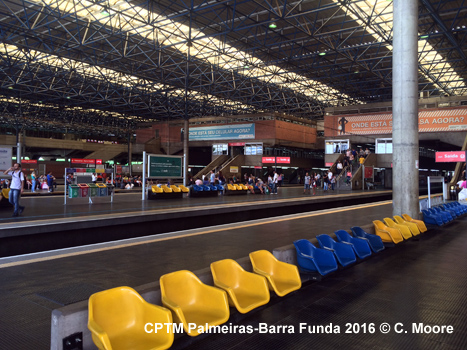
[[16, 187], [33, 181], [50, 181], [93, 178], [307, 181], [275, 181]]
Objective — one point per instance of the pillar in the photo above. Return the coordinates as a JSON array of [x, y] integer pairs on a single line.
[[405, 108]]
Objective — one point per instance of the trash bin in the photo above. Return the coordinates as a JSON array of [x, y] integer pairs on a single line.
[[83, 190], [73, 191], [93, 190], [102, 189], [453, 192]]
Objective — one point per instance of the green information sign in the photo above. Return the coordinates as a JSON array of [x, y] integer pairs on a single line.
[[165, 166]]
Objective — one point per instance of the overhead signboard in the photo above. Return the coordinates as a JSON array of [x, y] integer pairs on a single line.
[[457, 156], [28, 161], [279, 160], [223, 132], [83, 161], [165, 166]]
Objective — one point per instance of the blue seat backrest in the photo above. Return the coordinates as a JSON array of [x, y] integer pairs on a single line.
[[325, 241], [305, 247], [358, 232], [343, 235]]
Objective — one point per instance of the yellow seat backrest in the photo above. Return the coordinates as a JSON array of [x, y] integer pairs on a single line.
[[246, 290], [6, 193], [117, 316], [175, 188], [231, 187], [166, 189], [156, 189], [192, 301], [283, 278], [184, 188]]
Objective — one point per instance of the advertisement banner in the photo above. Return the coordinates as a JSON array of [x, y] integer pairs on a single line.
[[280, 160], [234, 169], [454, 119], [5, 158], [30, 161], [223, 132], [457, 156]]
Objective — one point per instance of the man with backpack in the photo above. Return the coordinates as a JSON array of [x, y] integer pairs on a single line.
[[16, 187]]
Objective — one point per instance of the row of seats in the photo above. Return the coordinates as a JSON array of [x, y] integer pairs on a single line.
[[117, 317], [345, 251], [201, 188], [171, 189], [400, 229], [443, 213]]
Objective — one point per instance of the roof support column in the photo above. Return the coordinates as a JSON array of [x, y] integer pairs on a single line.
[[405, 108]]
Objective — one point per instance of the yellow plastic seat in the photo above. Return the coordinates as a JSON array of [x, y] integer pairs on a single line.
[[421, 225], [118, 317], [156, 189], [246, 290], [175, 189], [192, 302], [387, 234], [282, 278], [231, 187], [6, 193], [244, 187], [166, 189], [411, 225], [405, 231], [238, 187], [184, 189]]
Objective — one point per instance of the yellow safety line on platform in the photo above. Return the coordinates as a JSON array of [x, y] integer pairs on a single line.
[[173, 236]]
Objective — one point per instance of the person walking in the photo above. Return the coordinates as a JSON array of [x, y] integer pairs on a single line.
[[307, 182], [16, 187]]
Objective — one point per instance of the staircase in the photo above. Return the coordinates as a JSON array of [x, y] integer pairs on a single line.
[[215, 165]]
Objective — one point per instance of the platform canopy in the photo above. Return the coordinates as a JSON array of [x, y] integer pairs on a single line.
[[105, 67]]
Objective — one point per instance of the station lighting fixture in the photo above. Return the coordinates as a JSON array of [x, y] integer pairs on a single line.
[[272, 25], [322, 54]]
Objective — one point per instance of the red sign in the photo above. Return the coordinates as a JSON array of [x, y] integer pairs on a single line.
[[98, 161], [457, 156], [268, 159], [328, 164], [283, 160], [24, 161], [368, 172], [119, 169], [258, 167], [83, 161], [236, 143]]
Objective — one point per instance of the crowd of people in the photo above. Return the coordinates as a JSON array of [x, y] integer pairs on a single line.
[[266, 185]]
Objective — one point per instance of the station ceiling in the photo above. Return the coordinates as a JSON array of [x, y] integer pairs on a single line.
[[104, 67]]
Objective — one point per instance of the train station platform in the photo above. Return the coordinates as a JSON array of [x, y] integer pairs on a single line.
[[49, 224], [417, 282]]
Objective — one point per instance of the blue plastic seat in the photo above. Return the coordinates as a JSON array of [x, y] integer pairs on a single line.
[[460, 206], [453, 211], [343, 252], [445, 213], [375, 242], [457, 208], [361, 247], [220, 187], [432, 219], [197, 188], [206, 188], [312, 259], [444, 217]]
